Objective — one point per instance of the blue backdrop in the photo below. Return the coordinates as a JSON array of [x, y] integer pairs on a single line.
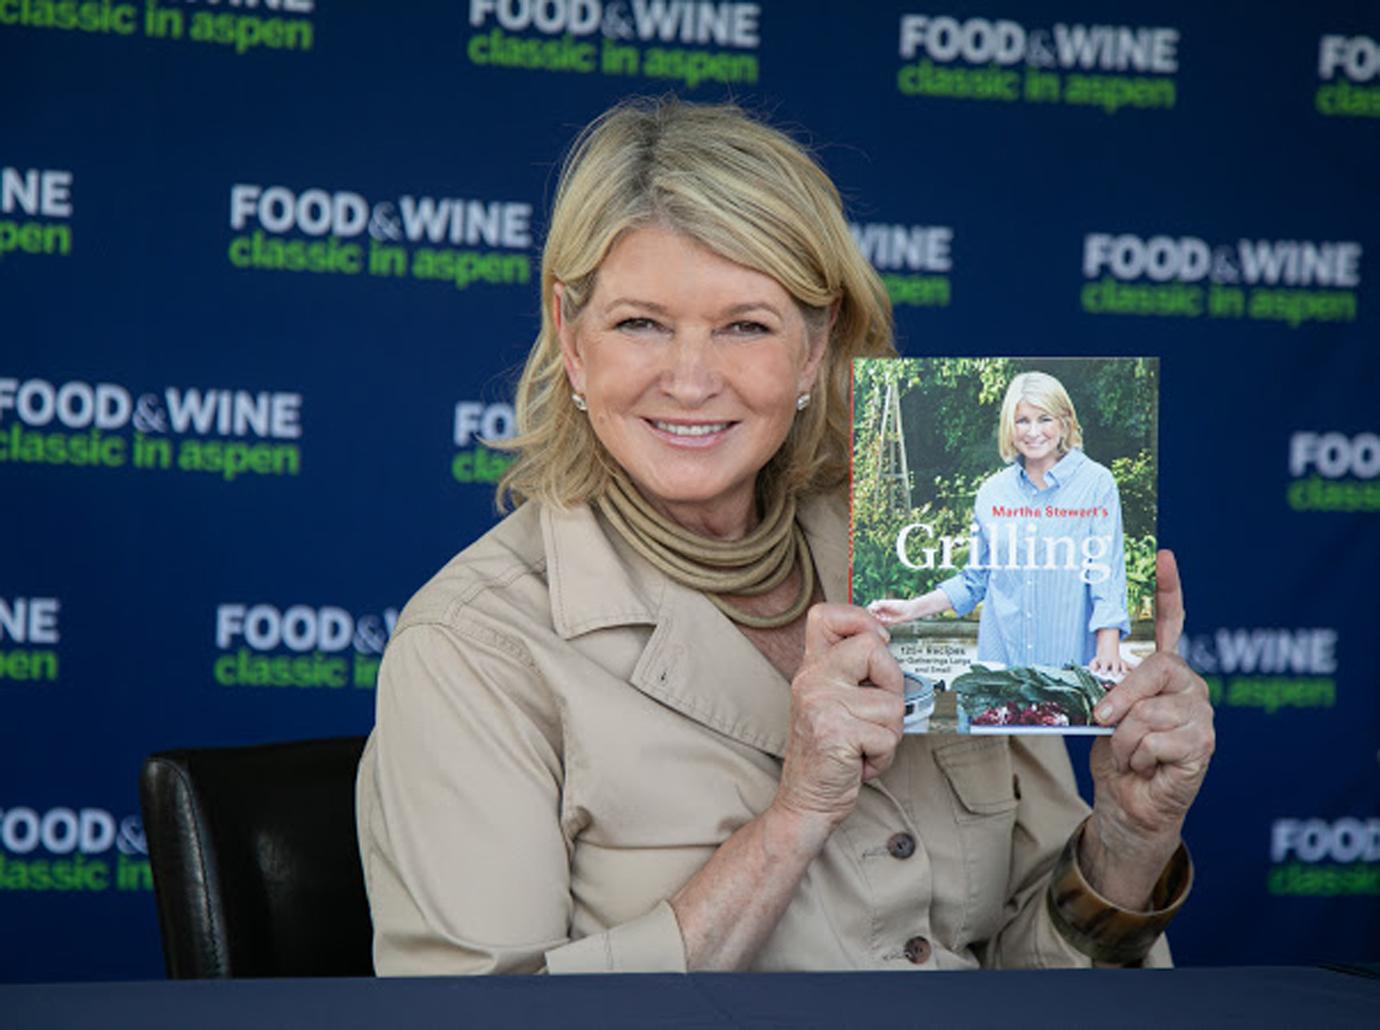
[[268, 268]]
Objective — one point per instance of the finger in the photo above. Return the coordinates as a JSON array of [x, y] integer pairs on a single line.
[[1152, 715], [1169, 602], [827, 624], [883, 671], [858, 660], [853, 662], [875, 707], [888, 616], [1170, 747], [878, 746], [1162, 673], [1109, 669]]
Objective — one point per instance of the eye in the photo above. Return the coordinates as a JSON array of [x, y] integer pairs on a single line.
[[747, 327], [638, 325]]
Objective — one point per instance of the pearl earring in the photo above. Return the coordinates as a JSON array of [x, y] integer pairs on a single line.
[[802, 402]]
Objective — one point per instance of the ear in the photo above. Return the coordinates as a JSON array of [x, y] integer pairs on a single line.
[[565, 333]]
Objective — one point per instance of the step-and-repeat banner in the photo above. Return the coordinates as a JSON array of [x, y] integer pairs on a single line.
[[268, 268]]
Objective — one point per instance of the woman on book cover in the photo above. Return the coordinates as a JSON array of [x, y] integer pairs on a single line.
[[1048, 556], [637, 726]]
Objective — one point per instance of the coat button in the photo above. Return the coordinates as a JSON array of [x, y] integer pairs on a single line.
[[918, 950], [900, 845]]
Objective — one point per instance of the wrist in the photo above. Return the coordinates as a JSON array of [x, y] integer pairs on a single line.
[[789, 833], [1099, 926], [1123, 863]]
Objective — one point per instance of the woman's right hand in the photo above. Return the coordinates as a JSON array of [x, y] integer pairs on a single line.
[[845, 723], [846, 713], [892, 611]]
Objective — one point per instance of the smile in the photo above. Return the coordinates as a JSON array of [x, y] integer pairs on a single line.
[[698, 429]]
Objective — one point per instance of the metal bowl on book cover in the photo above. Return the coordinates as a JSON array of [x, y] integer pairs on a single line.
[[919, 698]]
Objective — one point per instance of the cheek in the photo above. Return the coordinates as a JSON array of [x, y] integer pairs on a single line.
[[768, 385], [613, 375]]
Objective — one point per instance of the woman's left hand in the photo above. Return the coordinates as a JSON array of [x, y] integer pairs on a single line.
[[1107, 661], [1147, 774]]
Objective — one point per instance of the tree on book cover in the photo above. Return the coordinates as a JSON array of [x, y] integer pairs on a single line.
[[1004, 527]]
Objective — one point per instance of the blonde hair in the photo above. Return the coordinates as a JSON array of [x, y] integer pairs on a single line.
[[1040, 390], [750, 194]]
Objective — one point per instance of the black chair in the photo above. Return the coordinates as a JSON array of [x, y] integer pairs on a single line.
[[255, 863]]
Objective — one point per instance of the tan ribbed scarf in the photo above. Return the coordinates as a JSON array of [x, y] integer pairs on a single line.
[[750, 566]]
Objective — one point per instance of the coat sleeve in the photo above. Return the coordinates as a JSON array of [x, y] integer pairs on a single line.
[[466, 853], [1049, 811]]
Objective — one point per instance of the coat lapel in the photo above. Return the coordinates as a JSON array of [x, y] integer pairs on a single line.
[[696, 661]]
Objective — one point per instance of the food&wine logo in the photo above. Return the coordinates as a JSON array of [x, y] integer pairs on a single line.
[[35, 205], [228, 433], [1269, 670], [434, 239], [914, 260], [1325, 857], [263, 645], [1332, 471], [1347, 65], [289, 28], [475, 424], [70, 850], [29, 635], [694, 41], [1109, 67], [1285, 281]]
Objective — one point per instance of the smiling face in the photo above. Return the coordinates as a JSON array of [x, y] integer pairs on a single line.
[[1037, 435], [691, 365]]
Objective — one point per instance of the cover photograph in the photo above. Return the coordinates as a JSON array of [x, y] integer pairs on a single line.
[[1003, 528]]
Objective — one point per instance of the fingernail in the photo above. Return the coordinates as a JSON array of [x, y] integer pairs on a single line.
[[1103, 713]]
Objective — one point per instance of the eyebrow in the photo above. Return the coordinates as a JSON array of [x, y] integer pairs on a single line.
[[729, 312]]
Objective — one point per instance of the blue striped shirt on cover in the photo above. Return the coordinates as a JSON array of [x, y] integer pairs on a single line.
[[1060, 568]]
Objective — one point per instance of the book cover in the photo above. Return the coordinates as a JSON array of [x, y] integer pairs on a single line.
[[1003, 528]]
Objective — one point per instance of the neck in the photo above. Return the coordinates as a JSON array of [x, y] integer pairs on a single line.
[[1036, 469], [728, 520]]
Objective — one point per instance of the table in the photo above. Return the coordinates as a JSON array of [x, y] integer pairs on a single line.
[[1201, 997]]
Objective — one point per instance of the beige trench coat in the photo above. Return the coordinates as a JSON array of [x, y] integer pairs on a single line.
[[565, 736]]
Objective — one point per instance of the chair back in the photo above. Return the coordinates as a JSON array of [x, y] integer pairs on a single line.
[[255, 860]]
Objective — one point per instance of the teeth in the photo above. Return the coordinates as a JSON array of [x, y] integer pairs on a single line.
[[683, 430]]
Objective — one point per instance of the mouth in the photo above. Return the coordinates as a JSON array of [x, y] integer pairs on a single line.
[[689, 434]]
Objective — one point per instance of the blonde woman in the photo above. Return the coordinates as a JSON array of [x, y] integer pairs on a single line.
[[635, 726], [1040, 611]]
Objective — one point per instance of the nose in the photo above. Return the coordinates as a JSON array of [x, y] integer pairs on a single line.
[[691, 374]]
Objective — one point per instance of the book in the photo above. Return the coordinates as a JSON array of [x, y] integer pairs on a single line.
[[1003, 526]]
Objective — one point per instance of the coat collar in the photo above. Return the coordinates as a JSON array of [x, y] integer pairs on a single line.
[[695, 660], [1060, 473]]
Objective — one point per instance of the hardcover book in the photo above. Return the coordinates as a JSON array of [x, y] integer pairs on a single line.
[[1003, 528]]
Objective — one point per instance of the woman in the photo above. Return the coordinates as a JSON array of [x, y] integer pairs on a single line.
[[1041, 616], [609, 735]]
